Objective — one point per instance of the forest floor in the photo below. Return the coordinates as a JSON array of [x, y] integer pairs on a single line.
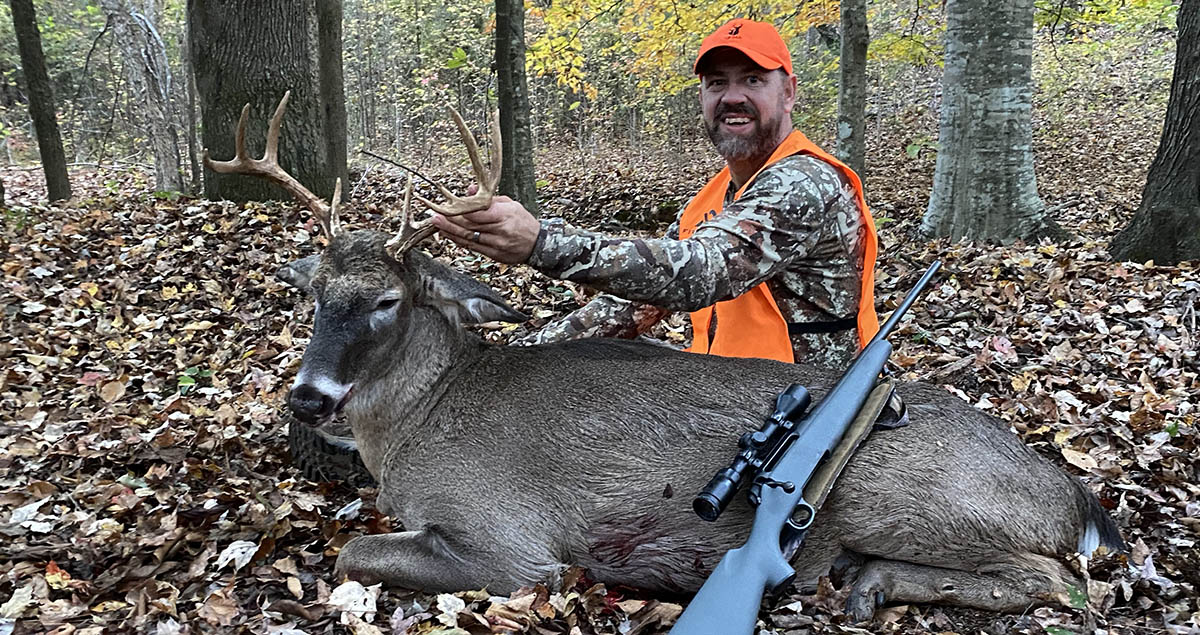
[[147, 348]]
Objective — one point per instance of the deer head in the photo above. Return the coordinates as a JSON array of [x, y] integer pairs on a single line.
[[373, 293]]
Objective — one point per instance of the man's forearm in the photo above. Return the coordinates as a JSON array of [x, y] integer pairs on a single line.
[[604, 316], [672, 274]]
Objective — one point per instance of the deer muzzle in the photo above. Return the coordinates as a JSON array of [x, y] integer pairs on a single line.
[[313, 402]]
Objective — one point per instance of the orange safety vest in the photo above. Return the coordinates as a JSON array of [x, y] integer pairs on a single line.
[[751, 325]]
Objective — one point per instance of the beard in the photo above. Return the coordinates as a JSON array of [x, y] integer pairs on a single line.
[[760, 142]]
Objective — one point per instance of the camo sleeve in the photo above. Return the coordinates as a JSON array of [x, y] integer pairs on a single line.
[[605, 316], [778, 219]]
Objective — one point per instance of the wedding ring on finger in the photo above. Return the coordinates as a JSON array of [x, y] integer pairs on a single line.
[[475, 237]]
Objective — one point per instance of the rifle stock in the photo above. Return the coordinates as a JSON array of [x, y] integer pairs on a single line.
[[730, 598]]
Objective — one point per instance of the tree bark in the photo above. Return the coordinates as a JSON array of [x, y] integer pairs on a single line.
[[333, 97], [253, 51], [1166, 226], [41, 100], [983, 185], [852, 87], [517, 179], [149, 77]]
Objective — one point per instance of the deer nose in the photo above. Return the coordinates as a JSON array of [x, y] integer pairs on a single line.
[[309, 404]]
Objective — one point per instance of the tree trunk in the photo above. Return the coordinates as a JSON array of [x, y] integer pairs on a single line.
[[41, 100], [149, 76], [253, 51], [852, 87], [983, 183], [517, 179], [333, 97], [1166, 226]]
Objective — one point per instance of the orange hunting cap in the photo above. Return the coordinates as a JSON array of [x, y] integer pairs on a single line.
[[758, 40]]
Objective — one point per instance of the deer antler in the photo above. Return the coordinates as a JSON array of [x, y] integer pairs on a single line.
[[412, 233], [268, 168]]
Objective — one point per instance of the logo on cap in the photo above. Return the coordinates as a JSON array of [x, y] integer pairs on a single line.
[[734, 31]]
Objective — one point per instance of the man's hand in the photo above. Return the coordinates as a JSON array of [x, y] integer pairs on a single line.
[[505, 231]]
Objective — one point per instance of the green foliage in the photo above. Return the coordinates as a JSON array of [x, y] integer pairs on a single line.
[[458, 59], [914, 149], [190, 378], [17, 217], [917, 49], [1077, 597], [1079, 18]]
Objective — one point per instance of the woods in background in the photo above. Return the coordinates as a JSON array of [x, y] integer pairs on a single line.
[[375, 75]]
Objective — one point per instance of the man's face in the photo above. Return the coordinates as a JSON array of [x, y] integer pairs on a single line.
[[746, 109]]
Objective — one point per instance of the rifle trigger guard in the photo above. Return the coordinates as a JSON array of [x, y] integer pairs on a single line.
[[802, 516]]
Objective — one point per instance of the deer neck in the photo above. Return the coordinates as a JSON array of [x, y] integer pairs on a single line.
[[397, 399]]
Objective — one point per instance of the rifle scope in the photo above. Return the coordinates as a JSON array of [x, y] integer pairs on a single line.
[[756, 447]]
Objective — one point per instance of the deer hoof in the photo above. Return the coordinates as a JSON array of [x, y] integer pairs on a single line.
[[865, 596]]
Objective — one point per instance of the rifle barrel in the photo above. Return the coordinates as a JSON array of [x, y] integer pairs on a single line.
[[894, 318]]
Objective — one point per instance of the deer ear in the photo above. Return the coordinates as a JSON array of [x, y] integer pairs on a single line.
[[299, 273], [472, 301], [461, 296]]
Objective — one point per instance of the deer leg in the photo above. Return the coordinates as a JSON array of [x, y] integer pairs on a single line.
[[1004, 587], [428, 561], [821, 554]]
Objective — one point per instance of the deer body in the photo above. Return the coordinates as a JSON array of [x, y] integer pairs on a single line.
[[507, 464]]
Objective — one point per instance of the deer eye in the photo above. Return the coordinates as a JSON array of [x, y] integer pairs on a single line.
[[386, 304]]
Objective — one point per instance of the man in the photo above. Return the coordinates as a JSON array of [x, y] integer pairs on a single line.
[[773, 258]]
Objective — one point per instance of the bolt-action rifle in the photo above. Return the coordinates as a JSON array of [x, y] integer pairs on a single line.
[[779, 461]]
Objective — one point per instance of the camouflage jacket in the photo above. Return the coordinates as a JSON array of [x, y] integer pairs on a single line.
[[797, 227]]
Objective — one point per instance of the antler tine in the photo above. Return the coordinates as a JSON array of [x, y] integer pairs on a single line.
[[271, 153], [334, 224], [268, 168], [410, 233], [488, 179], [239, 137], [468, 140]]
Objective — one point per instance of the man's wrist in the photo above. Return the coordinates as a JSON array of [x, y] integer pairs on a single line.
[[537, 244], [548, 229]]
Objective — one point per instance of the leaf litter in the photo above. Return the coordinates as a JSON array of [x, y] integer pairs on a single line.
[[144, 482]]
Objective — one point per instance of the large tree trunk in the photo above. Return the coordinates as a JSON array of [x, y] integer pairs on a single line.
[[983, 183], [41, 100], [1166, 226], [149, 78], [852, 87], [517, 179], [253, 51]]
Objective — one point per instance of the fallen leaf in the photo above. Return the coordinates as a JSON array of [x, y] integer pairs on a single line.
[[112, 391]]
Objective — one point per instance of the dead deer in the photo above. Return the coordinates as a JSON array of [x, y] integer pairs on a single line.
[[507, 464]]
